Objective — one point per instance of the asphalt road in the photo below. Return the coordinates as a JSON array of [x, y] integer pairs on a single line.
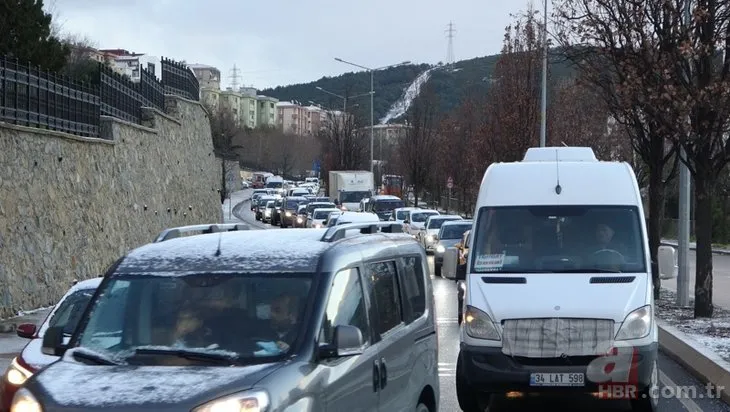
[[671, 374]]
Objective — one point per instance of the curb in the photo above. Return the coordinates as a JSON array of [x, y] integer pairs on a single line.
[[251, 223], [704, 364], [714, 251]]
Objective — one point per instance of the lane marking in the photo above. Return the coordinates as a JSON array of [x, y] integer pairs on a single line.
[[688, 403]]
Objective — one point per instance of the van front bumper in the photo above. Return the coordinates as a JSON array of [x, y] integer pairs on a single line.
[[488, 370]]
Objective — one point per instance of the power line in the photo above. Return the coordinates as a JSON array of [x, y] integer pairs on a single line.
[[450, 50]]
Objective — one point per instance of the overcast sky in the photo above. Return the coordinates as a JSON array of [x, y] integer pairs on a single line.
[[280, 42]]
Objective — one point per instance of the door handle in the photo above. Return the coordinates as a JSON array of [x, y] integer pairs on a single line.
[[376, 375], [383, 373]]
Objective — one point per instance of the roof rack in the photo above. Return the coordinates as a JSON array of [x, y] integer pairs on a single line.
[[175, 232], [338, 232]]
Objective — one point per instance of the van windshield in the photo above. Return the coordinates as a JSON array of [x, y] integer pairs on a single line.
[[387, 205], [201, 318], [275, 185], [558, 239]]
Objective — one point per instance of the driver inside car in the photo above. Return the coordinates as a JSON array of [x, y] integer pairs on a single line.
[[607, 250]]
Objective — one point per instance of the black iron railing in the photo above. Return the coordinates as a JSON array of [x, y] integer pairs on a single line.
[[35, 98], [179, 80]]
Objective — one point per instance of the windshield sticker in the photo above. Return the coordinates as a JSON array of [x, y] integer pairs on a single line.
[[489, 262]]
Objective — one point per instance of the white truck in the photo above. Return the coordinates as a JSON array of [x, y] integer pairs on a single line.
[[348, 187]]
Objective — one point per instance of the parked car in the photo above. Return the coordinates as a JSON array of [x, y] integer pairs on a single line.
[[65, 314], [294, 320]]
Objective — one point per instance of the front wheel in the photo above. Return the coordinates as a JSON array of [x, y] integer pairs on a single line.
[[647, 400]]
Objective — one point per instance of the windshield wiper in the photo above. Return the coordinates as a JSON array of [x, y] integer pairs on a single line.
[[588, 270], [96, 358], [189, 354]]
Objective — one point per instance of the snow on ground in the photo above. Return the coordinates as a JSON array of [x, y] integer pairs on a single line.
[[230, 203], [714, 332], [400, 107]]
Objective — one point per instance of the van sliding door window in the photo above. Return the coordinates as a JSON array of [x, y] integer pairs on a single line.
[[558, 239]]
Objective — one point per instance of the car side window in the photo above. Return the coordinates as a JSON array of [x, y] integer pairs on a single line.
[[414, 287], [383, 279], [345, 306]]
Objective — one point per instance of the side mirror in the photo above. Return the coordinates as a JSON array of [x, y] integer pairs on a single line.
[[406, 221], [53, 342], [667, 260], [451, 258], [348, 340], [26, 330]]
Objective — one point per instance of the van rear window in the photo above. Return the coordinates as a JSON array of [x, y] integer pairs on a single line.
[[558, 239]]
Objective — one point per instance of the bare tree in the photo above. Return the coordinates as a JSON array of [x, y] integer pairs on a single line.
[[225, 133], [418, 148], [613, 45], [344, 148]]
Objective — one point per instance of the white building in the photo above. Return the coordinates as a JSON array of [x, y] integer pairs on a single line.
[[130, 63]]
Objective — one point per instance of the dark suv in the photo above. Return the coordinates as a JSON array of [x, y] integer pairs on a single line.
[[289, 210], [331, 319]]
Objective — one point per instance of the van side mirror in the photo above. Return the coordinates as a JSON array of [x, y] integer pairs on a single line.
[[667, 260], [53, 342], [348, 341]]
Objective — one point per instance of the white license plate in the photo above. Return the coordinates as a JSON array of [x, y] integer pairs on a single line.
[[557, 379]]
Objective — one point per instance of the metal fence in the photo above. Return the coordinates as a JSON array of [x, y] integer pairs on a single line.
[[179, 80], [35, 98]]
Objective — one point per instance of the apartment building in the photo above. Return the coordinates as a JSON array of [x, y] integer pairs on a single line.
[[209, 77], [291, 118], [267, 111], [130, 63]]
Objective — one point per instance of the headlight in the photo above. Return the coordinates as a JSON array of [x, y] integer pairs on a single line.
[[299, 220], [24, 401], [317, 225], [440, 249], [479, 325], [288, 214], [16, 374], [249, 401], [636, 325]]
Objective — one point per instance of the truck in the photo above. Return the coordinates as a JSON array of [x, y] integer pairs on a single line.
[[259, 179], [348, 187]]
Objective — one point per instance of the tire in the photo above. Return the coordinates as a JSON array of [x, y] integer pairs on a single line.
[[422, 408], [469, 401], [437, 270]]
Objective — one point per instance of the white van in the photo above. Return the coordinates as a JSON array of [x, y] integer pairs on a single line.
[[558, 283]]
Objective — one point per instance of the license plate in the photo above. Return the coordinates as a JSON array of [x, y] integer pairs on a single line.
[[557, 379]]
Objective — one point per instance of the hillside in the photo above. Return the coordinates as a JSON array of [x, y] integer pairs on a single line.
[[467, 76]]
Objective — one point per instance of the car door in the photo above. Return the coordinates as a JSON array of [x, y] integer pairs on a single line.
[[351, 383], [396, 351]]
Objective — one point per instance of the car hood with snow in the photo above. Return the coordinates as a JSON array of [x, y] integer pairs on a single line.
[[69, 384]]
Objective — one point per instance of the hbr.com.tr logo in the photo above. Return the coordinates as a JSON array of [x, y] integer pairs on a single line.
[[617, 376]]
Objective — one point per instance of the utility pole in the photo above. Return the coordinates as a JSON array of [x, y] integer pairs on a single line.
[[684, 200], [450, 50], [234, 78], [543, 108]]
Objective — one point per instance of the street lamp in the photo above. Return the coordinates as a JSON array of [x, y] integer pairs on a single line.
[[344, 98], [372, 93]]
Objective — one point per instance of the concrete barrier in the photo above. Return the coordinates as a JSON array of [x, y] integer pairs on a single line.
[[703, 363]]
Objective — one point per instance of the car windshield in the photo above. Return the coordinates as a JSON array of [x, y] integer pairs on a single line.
[[435, 223], [322, 205], [558, 239], [333, 221], [387, 205], [421, 217], [270, 204], [68, 313], [218, 319], [279, 202], [401, 214], [453, 231], [292, 204], [275, 185], [322, 214], [353, 197]]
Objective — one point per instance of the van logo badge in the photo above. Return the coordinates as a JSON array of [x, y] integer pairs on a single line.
[[557, 308]]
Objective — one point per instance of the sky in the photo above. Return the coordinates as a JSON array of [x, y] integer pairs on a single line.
[[281, 42]]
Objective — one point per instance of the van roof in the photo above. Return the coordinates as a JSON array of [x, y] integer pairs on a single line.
[[581, 182]]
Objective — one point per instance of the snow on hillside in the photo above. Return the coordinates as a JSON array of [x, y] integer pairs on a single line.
[[400, 107]]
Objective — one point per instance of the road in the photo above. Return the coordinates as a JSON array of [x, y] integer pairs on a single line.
[[720, 278], [671, 374]]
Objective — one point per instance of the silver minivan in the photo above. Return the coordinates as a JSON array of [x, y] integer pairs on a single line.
[[218, 322]]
